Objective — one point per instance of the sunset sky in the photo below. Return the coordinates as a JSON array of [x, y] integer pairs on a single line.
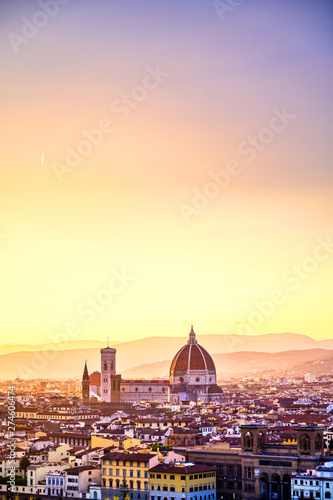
[[124, 238]]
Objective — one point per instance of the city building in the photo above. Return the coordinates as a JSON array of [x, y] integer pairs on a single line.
[[313, 484], [180, 481], [258, 468], [126, 474], [78, 480], [309, 377], [55, 483]]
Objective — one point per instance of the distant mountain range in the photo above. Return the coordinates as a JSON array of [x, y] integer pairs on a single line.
[[232, 354]]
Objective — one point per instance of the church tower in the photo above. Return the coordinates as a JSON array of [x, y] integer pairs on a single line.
[[110, 382], [85, 385]]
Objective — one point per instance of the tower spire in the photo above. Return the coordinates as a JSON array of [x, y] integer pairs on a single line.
[[108, 342], [192, 339], [85, 372]]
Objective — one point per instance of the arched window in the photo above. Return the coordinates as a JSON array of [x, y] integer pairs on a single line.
[[105, 366], [261, 440], [138, 485], [305, 443], [318, 443], [248, 438]]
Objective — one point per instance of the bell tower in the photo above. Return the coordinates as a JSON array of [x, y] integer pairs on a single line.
[[85, 385], [109, 380]]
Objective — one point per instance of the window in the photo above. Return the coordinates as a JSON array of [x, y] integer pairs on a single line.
[[182, 478], [172, 477], [172, 488], [165, 488], [117, 472], [158, 476], [131, 473], [327, 494], [138, 473], [152, 475]]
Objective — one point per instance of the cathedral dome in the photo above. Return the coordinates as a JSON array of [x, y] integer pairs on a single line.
[[191, 357]]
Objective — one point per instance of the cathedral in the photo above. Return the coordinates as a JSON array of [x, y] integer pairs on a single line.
[[192, 378]]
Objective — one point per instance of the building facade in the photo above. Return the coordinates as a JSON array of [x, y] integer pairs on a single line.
[[314, 484], [260, 469], [180, 481], [126, 474]]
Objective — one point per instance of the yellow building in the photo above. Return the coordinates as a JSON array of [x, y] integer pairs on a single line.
[[126, 474], [180, 481]]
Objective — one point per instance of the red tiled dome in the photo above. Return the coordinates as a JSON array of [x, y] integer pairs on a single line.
[[95, 379], [191, 357]]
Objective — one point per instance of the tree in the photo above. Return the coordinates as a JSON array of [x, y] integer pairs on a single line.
[[24, 464]]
